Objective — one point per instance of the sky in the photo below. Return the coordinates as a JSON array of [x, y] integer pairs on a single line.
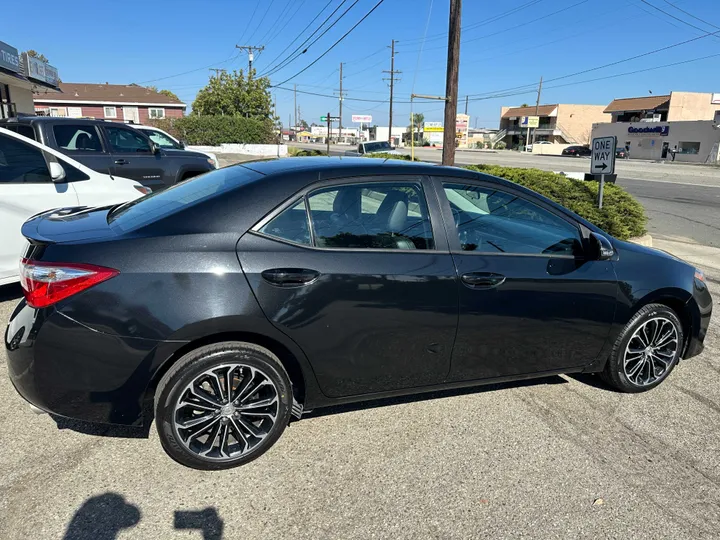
[[505, 48]]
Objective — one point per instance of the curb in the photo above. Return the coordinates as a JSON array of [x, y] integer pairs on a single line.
[[644, 240]]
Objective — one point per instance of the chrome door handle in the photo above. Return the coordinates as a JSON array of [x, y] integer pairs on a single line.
[[290, 277], [482, 280], [121, 162]]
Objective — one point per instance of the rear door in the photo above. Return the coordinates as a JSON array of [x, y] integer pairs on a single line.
[[83, 143], [25, 189], [366, 286], [530, 301], [132, 156]]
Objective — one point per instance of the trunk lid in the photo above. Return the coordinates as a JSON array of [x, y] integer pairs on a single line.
[[73, 224]]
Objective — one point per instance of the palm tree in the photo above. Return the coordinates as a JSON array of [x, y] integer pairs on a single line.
[[416, 120]]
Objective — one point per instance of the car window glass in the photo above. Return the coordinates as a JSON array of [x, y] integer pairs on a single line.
[[162, 140], [21, 162], [371, 216], [78, 138], [494, 221], [291, 224], [21, 129], [126, 140]]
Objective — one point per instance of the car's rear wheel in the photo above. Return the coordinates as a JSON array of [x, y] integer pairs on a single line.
[[646, 351], [222, 405]]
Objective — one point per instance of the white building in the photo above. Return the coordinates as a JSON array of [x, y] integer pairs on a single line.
[[382, 134], [321, 131]]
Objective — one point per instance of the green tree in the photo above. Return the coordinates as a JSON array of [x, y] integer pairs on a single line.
[[168, 93], [416, 121], [234, 94], [524, 105], [34, 54], [304, 125]]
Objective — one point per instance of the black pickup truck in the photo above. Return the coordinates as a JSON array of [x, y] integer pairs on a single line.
[[113, 148]]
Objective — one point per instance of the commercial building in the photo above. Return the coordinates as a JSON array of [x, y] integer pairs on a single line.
[[559, 123], [20, 76], [117, 102], [673, 107]]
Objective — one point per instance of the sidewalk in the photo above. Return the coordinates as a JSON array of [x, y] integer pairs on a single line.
[[705, 257]]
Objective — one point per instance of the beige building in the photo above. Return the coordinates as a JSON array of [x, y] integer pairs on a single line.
[[559, 123], [673, 107]]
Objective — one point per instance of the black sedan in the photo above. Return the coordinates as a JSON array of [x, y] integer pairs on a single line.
[[576, 151], [237, 300]]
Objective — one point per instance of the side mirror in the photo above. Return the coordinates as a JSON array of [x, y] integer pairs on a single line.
[[57, 173], [154, 148], [602, 249], [183, 143]]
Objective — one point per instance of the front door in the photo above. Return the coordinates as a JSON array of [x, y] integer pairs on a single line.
[[529, 300], [131, 115], [366, 287], [665, 148], [133, 158], [83, 143], [26, 189]]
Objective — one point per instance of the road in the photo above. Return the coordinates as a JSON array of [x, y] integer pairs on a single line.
[[682, 201]]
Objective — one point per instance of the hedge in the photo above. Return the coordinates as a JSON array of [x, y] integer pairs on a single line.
[[622, 215], [216, 130]]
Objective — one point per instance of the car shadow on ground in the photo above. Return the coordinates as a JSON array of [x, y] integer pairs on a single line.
[[105, 516], [10, 292]]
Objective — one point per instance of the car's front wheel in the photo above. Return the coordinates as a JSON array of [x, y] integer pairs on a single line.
[[222, 405], [646, 351]]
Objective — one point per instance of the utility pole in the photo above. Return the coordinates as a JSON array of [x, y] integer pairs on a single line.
[[328, 136], [451, 83], [466, 103], [217, 71], [295, 106], [250, 50], [392, 73], [537, 107], [341, 101]]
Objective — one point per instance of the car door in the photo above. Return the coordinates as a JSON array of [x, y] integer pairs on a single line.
[[25, 190], [82, 142], [366, 286], [530, 301], [133, 156]]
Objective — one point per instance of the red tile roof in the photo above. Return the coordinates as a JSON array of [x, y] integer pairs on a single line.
[[644, 103], [543, 110]]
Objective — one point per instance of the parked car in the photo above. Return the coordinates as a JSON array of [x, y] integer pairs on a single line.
[[621, 153], [114, 148], [167, 142], [258, 291], [35, 178], [576, 151], [372, 147], [529, 147]]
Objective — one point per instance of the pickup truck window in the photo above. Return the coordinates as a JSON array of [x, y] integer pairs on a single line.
[[21, 129], [124, 140], [77, 137]]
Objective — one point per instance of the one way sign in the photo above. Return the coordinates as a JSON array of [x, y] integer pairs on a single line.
[[603, 155]]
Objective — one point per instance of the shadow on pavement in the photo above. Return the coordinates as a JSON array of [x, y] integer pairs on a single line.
[[337, 409], [10, 292], [104, 516], [590, 379]]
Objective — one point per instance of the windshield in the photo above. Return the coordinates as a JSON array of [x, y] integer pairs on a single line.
[[162, 140], [379, 146], [160, 204]]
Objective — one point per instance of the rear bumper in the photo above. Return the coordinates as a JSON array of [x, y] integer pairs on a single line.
[[62, 367]]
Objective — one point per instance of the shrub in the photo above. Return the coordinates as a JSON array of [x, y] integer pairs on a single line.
[[500, 145], [216, 130], [385, 155], [300, 152], [622, 215]]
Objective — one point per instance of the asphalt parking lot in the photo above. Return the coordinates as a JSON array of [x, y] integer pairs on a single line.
[[555, 458]]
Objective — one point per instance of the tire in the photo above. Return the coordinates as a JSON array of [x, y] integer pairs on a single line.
[[646, 351], [200, 428]]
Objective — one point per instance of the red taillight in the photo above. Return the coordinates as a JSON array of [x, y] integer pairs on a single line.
[[46, 283], [143, 189]]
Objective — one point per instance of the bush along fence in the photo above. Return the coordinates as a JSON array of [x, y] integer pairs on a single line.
[[217, 130]]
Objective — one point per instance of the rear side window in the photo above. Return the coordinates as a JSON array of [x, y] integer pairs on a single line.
[[21, 129], [21, 163], [291, 225], [161, 204], [77, 137]]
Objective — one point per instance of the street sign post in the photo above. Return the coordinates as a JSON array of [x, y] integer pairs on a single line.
[[602, 161], [324, 118]]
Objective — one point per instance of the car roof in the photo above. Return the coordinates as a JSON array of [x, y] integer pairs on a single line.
[[47, 119], [350, 166]]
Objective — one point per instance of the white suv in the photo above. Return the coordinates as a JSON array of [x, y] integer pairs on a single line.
[[35, 178]]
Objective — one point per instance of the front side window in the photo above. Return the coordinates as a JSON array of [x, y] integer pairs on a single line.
[[162, 140], [110, 112], [21, 163], [156, 113], [371, 216], [21, 129], [124, 140], [77, 137], [492, 221]]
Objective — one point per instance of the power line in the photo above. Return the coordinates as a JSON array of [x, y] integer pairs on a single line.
[[249, 21], [422, 44], [262, 20], [336, 43], [297, 52], [302, 32], [691, 15], [290, 17], [192, 70], [673, 16], [335, 97]]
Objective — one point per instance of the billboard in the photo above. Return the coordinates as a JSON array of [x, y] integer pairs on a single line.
[[462, 124], [433, 127], [40, 71], [362, 118], [530, 121]]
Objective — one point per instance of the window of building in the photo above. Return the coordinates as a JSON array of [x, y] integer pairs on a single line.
[[110, 112], [291, 225], [60, 112], [21, 162], [74, 112], [156, 113], [371, 216], [688, 147], [124, 140], [77, 137], [491, 221]]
